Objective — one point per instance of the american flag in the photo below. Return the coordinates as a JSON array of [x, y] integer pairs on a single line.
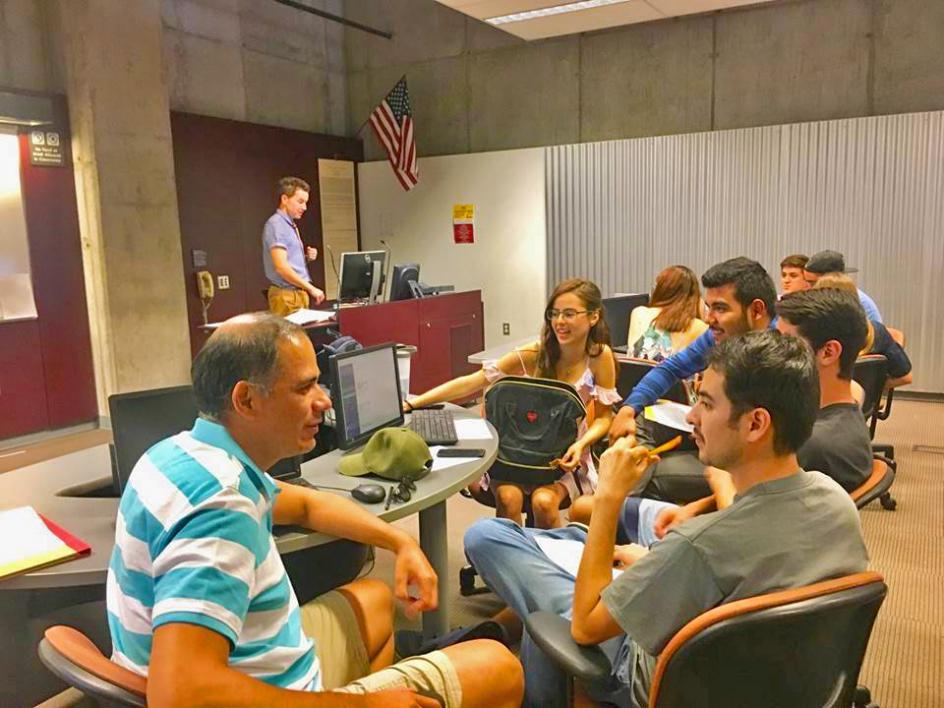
[[392, 121]]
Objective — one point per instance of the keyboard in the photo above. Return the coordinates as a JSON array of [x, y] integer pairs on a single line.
[[299, 482], [436, 427]]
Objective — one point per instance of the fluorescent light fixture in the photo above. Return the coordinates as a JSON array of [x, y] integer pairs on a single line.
[[548, 11]]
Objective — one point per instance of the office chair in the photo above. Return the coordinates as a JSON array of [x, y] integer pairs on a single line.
[[876, 486], [871, 373], [799, 647], [72, 657]]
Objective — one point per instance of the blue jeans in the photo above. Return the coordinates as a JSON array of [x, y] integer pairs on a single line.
[[637, 520], [510, 562]]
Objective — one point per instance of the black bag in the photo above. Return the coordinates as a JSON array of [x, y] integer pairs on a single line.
[[340, 345], [537, 420]]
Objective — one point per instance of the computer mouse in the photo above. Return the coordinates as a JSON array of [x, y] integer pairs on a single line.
[[369, 493]]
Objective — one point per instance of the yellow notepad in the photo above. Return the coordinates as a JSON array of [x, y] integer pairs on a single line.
[[29, 541]]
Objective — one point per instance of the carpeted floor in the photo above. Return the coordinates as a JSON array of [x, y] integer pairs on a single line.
[[904, 667]]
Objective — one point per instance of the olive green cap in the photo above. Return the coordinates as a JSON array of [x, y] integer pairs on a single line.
[[391, 453]]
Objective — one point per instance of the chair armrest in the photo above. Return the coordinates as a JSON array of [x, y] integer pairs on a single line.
[[552, 635]]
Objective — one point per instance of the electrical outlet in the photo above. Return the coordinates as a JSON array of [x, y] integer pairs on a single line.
[[506, 328], [222, 282]]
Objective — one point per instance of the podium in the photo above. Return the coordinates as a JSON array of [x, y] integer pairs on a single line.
[[445, 329]]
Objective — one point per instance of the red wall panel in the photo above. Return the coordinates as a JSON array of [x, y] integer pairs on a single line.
[[226, 176], [52, 223], [22, 385]]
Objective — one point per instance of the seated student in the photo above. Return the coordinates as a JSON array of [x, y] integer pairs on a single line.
[[791, 274], [740, 296], [879, 339], [832, 322], [198, 599], [672, 320], [574, 347], [756, 407], [833, 262]]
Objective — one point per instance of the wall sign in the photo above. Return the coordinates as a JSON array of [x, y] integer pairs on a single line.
[[46, 148], [463, 223]]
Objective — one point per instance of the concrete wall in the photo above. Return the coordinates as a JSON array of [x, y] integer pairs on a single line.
[[475, 88], [507, 260], [256, 61]]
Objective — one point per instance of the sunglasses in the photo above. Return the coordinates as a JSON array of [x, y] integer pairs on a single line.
[[402, 493]]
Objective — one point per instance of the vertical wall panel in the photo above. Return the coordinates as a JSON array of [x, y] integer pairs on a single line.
[[873, 188]]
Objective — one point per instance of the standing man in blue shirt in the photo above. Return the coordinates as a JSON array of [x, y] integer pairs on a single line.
[[834, 262], [741, 298], [284, 255]]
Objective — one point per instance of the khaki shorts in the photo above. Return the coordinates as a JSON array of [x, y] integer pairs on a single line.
[[331, 623], [284, 301]]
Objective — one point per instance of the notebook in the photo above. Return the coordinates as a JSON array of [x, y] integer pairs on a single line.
[[29, 541]]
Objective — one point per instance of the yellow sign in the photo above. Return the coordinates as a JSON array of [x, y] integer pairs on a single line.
[[463, 212]]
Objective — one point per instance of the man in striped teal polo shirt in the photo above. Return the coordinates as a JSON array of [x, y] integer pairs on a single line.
[[198, 598]]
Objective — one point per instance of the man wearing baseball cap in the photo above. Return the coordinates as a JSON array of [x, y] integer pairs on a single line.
[[833, 262]]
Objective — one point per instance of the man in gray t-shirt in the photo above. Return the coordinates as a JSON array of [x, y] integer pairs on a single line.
[[839, 445], [756, 407]]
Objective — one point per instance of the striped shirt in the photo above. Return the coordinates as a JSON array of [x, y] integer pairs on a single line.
[[193, 544]]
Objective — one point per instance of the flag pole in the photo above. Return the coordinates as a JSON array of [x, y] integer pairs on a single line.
[[358, 131]]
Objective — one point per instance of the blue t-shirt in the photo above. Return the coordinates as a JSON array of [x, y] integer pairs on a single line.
[[871, 309], [279, 232], [193, 544]]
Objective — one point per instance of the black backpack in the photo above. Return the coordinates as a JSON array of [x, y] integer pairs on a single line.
[[537, 420], [340, 345]]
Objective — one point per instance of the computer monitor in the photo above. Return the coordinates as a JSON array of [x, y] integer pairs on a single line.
[[143, 418], [362, 275], [366, 393], [618, 309], [403, 273]]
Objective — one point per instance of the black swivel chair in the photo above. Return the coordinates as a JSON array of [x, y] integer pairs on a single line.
[[876, 486], [632, 370], [871, 373], [800, 647]]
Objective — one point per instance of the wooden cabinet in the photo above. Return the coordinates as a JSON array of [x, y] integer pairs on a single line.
[[446, 329]]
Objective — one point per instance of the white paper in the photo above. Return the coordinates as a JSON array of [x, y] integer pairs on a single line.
[[472, 429], [565, 553], [441, 463], [16, 297], [23, 534], [303, 316], [669, 414]]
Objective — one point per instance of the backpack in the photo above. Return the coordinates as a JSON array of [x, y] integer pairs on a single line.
[[344, 343], [537, 420]]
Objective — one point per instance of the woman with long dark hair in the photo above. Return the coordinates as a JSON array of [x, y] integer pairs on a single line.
[[574, 347]]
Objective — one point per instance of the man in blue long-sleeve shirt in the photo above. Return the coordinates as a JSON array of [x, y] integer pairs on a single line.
[[741, 297]]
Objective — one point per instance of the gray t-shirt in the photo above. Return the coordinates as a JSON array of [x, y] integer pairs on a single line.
[[839, 446], [785, 533]]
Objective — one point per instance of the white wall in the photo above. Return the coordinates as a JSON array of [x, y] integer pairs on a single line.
[[508, 259]]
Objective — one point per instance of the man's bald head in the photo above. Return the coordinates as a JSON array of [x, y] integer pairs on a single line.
[[244, 348]]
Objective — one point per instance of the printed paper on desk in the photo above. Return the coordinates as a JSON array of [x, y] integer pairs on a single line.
[[472, 429], [303, 316], [669, 414], [565, 553]]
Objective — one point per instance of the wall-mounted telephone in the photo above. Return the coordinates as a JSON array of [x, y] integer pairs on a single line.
[[205, 284]]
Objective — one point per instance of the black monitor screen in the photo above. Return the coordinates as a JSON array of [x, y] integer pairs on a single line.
[[141, 419], [618, 309], [366, 393], [400, 282], [357, 273]]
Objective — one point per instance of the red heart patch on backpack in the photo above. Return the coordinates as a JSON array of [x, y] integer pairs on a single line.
[[532, 416]]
